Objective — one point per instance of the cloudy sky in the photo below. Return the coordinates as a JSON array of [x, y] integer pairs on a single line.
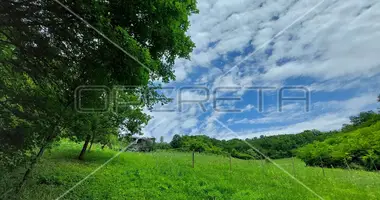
[[327, 50]]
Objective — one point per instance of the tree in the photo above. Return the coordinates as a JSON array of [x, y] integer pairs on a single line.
[[176, 141], [361, 118], [51, 53], [126, 120], [364, 119]]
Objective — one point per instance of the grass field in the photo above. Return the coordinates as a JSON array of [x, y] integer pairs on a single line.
[[169, 175]]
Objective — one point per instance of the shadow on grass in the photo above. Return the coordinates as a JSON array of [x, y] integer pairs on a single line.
[[70, 155]]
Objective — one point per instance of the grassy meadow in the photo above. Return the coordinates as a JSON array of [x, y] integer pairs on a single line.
[[169, 175]]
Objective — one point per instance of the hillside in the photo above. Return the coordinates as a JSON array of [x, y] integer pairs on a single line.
[[359, 148]]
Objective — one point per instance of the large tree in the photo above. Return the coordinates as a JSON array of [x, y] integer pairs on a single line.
[[47, 52]]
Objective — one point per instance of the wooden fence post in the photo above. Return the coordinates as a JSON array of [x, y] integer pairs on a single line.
[[333, 171], [345, 161], [262, 166], [294, 169], [193, 158], [230, 163], [323, 170], [373, 163], [349, 168]]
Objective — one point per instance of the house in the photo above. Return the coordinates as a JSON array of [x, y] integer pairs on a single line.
[[142, 144]]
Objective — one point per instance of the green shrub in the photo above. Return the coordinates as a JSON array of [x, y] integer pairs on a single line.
[[239, 155], [356, 149]]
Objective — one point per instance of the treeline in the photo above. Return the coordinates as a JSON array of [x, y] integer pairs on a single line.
[[58, 76], [277, 146], [357, 146]]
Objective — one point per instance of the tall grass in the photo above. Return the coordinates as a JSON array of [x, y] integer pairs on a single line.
[[169, 175]]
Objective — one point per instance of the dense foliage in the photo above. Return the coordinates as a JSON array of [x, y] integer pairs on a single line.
[[359, 148], [277, 146], [47, 52], [356, 145]]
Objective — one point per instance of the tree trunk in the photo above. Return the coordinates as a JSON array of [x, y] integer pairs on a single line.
[[31, 167], [33, 163], [84, 148], [92, 141], [89, 148]]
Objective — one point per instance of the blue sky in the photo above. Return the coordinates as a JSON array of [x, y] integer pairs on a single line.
[[329, 47]]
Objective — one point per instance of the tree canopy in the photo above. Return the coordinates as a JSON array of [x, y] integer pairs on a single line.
[[49, 49]]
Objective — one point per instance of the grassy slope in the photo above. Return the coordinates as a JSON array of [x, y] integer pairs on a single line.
[[168, 175]]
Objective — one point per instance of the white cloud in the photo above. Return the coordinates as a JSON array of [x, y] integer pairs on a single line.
[[334, 48], [343, 35], [249, 107], [189, 123], [334, 115]]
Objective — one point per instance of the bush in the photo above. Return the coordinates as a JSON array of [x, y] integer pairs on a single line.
[[163, 146], [239, 155], [357, 149]]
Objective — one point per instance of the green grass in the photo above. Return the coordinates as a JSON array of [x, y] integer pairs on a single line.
[[169, 175]]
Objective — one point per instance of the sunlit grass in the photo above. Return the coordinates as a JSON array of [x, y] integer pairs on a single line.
[[169, 175]]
